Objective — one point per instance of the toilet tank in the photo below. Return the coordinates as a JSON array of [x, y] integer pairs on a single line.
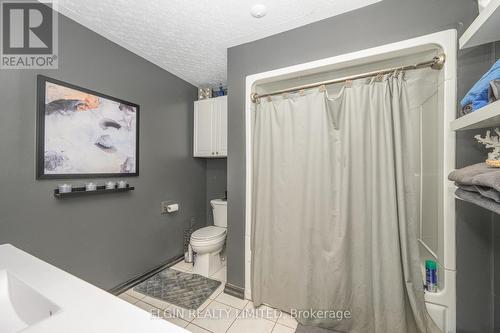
[[219, 209]]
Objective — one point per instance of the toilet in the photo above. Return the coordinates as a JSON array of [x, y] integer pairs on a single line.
[[208, 242]]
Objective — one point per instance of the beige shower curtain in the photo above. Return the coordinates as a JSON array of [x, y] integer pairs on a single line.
[[335, 208]]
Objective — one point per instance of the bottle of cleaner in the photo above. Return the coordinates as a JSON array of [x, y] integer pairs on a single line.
[[431, 276]]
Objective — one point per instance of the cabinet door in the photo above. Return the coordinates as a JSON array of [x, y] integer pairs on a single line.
[[203, 124], [215, 125], [221, 127]]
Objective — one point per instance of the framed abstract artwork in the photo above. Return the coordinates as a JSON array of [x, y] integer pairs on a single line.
[[84, 134]]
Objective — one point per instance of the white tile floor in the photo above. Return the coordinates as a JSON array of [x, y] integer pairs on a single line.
[[221, 313]]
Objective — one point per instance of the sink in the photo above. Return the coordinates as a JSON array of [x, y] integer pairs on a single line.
[[20, 305]]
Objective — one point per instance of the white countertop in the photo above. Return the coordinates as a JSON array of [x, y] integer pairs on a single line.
[[84, 307]]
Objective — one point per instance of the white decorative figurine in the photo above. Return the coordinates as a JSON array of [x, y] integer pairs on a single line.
[[491, 142]]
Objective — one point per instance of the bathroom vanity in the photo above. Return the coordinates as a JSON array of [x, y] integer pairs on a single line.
[[38, 297]]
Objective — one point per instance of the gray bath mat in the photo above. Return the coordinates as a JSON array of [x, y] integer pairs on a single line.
[[310, 329], [186, 290]]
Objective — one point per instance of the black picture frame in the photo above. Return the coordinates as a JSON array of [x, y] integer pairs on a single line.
[[40, 132]]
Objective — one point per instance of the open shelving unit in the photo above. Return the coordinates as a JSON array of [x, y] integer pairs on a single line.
[[488, 116], [484, 29], [485, 117], [80, 191]]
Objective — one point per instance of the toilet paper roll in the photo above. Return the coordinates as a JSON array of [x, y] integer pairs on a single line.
[[172, 208]]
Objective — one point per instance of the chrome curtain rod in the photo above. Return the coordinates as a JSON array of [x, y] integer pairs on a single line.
[[436, 63]]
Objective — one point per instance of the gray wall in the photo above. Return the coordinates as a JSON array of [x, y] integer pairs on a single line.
[[381, 23], [105, 239], [216, 183]]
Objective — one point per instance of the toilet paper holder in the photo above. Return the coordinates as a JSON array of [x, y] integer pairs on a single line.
[[169, 207]]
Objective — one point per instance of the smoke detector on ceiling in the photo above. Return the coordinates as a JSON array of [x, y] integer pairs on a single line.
[[258, 10]]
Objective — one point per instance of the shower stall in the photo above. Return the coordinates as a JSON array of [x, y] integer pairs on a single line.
[[432, 99]]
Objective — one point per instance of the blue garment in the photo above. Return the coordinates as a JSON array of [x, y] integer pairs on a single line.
[[477, 96]]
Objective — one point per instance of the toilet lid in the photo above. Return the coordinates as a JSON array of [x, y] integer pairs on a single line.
[[208, 233]]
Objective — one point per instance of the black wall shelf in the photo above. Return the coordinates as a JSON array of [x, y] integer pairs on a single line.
[[80, 191]]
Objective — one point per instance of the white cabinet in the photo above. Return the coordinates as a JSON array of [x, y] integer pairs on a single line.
[[210, 127]]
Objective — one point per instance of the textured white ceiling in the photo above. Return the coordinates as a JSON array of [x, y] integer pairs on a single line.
[[189, 38]]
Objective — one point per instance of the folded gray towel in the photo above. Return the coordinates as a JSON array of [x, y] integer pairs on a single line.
[[465, 175], [470, 188], [479, 200], [488, 179], [488, 192], [483, 190]]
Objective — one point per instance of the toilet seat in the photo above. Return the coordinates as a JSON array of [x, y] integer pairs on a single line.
[[210, 233]]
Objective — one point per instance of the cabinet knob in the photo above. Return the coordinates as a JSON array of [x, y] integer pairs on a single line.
[[217, 153], [213, 153]]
